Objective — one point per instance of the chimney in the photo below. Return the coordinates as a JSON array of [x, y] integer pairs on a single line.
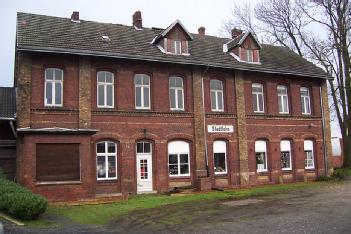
[[137, 20], [75, 16], [236, 32], [201, 30]]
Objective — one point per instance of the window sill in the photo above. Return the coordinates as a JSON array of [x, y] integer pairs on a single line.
[[263, 172], [107, 181], [221, 174], [179, 177], [287, 170], [310, 169], [58, 183]]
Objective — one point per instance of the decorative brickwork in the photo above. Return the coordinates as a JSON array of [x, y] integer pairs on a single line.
[[84, 92]]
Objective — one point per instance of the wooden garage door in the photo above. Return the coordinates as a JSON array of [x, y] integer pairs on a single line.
[[57, 162], [8, 161]]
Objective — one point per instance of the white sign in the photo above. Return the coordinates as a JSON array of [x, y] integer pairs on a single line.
[[220, 128]]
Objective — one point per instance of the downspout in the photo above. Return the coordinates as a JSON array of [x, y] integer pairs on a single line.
[[204, 116], [13, 129], [324, 136]]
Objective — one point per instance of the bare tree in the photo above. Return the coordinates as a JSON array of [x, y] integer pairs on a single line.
[[290, 23]]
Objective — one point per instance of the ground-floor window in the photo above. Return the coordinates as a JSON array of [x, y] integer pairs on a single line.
[[57, 162], [261, 155], [178, 158], [220, 157], [106, 160], [309, 155], [285, 154]]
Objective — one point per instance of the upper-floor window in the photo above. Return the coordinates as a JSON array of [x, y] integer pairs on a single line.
[[257, 98], [177, 47], [105, 90], [285, 154], [261, 155], [178, 158], [176, 93], [309, 155], [283, 101], [106, 160], [142, 91], [249, 56], [220, 157], [216, 95], [305, 101], [53, 87]]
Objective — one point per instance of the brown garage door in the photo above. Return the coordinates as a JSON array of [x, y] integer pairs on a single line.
[[8, 161]]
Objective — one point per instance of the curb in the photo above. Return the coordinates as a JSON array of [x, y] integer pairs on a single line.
[[12, 220]]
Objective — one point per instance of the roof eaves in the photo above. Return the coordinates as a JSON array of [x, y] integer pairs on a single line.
[[169, 28], [152, 59]]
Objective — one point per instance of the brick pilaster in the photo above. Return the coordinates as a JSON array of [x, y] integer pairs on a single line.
[[241, 131], [199, 121], [327, 126], [23, 83], [84, 92]]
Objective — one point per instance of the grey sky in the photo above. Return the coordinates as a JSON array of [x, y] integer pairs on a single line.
[[155, 13]]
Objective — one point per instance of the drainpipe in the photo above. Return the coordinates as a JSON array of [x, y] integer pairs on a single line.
[[13, 129], [324, 136], [204, 114]]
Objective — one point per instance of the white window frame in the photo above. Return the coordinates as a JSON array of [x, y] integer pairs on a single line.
[[256, 95], [105, 84], [306, 101], [176, 89], [106, 155], [142, 86], [177, 45], [53, 90], [284, 109], [249, 56], [216, 101], [174, 147], [308, 147], [220, 147], [285, 146], [261, 147]]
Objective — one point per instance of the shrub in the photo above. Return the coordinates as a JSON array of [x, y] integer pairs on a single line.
[[323, 178], [340, 173], [20, 202], [2, 174]]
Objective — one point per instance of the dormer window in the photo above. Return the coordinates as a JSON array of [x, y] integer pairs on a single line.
[[249, 56], [173, 40]]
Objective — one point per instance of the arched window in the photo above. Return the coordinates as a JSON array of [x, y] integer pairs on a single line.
[[285, 154], [178, 158], [283, 101], [105, 89], [309, 154], [257, 98], [261, 155], [220, 157], [176, 93], [142, 91], [216, 95], [106, 160], [53, 87]]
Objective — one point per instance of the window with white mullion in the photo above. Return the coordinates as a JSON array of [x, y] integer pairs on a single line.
[[176, 93], [106, 160], [217, 103], [309, 154], [305, 101], [53, 87], [283, 101], [142, 91], [177, 47], [105, 89], [285, 155], [220, 157], [178, 159], [261, 156], [258, 98]]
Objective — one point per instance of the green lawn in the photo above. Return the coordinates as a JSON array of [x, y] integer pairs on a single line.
[[103, 213]]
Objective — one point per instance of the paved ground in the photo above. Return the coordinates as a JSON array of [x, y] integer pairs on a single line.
[[325, 210]]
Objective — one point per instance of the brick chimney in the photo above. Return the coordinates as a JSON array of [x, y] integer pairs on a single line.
[[75, 16], [137, 20], [201, 30], [236, 32]]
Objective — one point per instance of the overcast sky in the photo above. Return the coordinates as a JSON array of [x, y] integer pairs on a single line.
[[155, 13]]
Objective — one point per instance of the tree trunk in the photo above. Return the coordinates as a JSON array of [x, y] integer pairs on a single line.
[[346, 140]]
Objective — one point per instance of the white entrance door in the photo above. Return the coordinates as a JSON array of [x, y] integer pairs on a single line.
[[144, 167]]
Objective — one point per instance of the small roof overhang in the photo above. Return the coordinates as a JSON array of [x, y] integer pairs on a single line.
[[56, 130]]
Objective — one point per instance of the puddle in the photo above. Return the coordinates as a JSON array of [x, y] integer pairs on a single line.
[[242, 202]]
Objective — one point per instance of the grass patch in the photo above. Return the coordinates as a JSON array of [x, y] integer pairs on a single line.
[[103, 213]]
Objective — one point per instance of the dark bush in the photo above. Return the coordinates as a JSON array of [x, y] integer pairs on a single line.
[[339, 173], [20, 202], [2, 174], [323, 178]]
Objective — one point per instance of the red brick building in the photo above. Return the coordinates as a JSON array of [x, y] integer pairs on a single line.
[[107, 109]]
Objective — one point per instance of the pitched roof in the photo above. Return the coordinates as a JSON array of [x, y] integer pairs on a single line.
[[168, 29], [61, 35], [237, 41], [7, 102]]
